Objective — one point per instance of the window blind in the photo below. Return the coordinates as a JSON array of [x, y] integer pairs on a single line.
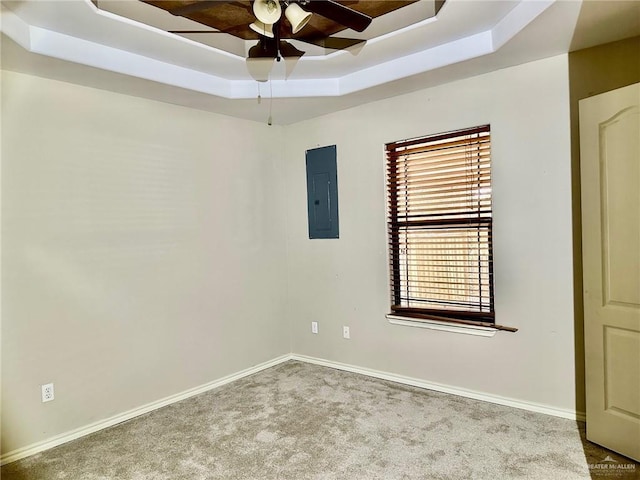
[[440, 226]]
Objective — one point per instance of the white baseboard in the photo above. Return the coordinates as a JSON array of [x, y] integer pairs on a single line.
[[109, 422], [485, 397]]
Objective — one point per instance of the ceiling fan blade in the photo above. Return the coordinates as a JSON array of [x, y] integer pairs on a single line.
[[195, 31], [183, 10], [266, 48], [287, 50], [334, 43], [339, 13], [263, 49]]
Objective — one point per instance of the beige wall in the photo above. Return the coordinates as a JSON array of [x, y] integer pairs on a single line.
[[592, 71], [144, 246], [143, 253], [345, 281]]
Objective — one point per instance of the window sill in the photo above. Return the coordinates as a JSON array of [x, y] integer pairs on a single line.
[[442, 326]]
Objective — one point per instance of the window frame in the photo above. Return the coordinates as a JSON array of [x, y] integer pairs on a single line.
[[482, 316]]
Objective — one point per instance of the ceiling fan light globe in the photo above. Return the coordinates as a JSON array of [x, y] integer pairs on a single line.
[[262, 28], [297, 17], [267, 11], [260, 68]]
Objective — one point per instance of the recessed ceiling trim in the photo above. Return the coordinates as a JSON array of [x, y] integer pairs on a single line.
[[16, 29], [232, 82], [440, 56], [72, 49], [517, 19]]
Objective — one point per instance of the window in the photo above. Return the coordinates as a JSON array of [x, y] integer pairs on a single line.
[[440, 227]]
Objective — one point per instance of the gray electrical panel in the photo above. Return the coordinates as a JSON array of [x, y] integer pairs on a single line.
[[322, 192]]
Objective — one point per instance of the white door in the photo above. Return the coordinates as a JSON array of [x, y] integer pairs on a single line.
[[610, 175]]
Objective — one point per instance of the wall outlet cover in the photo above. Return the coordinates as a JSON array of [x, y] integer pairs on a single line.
[[47, 392]]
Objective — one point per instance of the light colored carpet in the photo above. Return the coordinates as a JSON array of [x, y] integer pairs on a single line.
[[298, 421]]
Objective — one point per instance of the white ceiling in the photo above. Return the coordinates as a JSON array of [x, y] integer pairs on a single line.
[[76, 42]]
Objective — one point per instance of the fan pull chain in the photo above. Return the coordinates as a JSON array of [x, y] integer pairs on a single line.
[[270, 119]]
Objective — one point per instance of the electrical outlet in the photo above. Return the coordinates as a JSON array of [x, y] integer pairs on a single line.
[[345, 332], [47, 392], [314, 327]]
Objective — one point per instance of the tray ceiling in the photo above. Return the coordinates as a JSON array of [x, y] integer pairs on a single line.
[[125, 46]]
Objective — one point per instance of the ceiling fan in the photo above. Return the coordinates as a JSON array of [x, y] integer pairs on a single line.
[[274, 22], [269, 25]]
